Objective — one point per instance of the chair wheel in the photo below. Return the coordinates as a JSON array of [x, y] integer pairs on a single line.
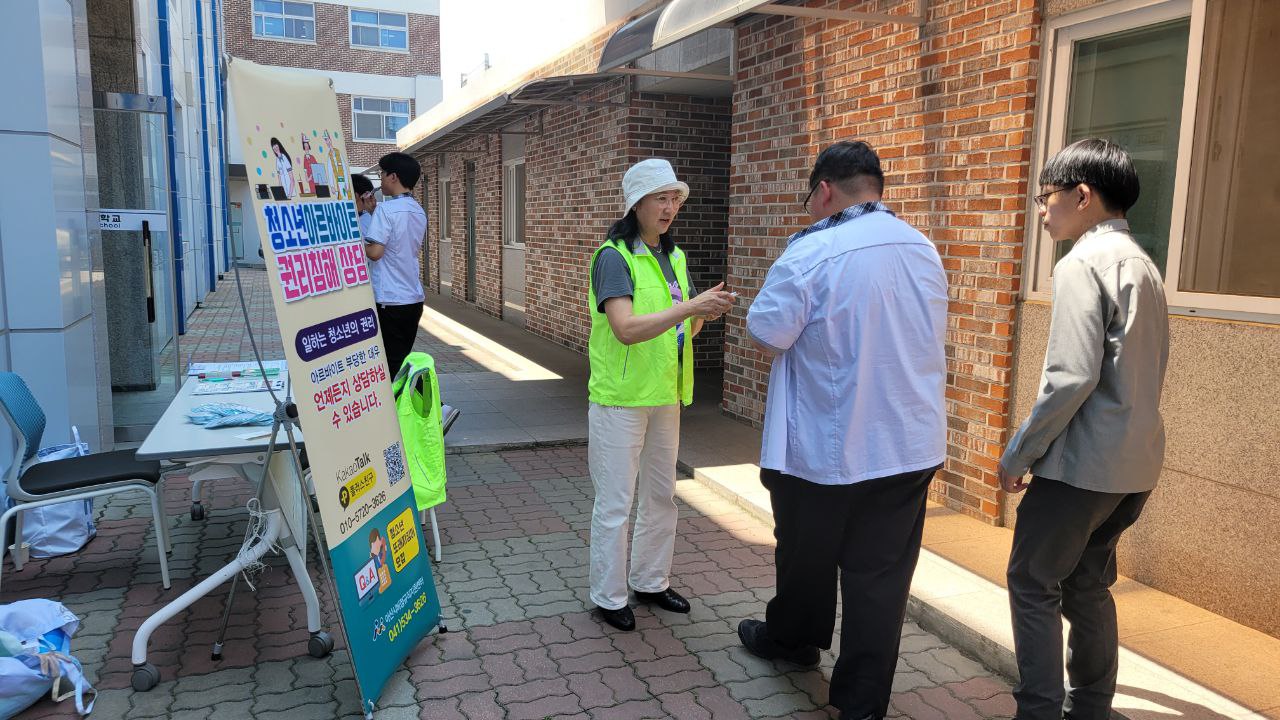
[[320, 644], [197, 511], [145, 677]]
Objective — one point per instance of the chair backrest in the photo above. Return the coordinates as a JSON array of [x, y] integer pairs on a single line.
[[22, 411]]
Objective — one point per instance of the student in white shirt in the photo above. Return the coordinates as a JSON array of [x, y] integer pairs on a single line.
[[393, 244], [854, 314]]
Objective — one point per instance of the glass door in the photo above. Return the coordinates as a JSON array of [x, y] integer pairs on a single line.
[[138, 261]]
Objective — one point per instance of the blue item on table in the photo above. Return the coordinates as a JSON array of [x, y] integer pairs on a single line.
[[216, 415]]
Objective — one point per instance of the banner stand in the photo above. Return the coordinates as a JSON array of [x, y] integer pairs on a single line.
[[372, 540], [372, 547]]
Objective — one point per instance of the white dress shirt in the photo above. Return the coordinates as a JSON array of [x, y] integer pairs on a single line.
[[857, 308], [398, 224]]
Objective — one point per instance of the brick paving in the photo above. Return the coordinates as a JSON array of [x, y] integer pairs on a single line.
[[523, 642]]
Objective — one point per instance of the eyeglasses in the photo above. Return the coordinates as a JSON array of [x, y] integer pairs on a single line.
[[1043, 199], [674, 200], [809, 197]]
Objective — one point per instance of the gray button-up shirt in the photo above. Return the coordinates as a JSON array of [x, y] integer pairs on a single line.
[[1096, 423]]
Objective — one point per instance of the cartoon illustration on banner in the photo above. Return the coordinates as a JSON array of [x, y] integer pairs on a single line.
[[293, 146]]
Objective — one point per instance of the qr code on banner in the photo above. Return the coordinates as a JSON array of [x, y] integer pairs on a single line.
[[395, 463]]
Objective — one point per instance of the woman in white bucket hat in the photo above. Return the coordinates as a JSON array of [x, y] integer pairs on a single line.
[[642, 323]]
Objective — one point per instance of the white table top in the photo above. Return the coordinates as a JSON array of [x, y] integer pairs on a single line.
[[175, 437]]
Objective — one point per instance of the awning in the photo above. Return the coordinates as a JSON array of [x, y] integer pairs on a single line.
[[679, 19], [497, 113]]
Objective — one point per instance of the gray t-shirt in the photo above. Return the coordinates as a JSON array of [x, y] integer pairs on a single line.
[[611, 278]]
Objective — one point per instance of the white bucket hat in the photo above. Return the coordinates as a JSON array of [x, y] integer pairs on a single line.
[[647, 177]]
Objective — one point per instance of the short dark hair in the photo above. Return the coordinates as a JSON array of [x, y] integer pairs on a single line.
[[1102, 165], [361, 184], [844, 163], [407, 169]]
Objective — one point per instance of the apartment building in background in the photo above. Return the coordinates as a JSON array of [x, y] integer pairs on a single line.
[[382, 56]]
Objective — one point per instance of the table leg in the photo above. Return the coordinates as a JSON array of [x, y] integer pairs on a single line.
[[145, 675]]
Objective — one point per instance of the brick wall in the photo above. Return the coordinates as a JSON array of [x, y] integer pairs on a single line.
[[693, 133], [332, 48], [949, 108], [365, 154], [430, 198], [574, 171]]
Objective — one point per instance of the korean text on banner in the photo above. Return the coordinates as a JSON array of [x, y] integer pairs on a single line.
[[288, 122]]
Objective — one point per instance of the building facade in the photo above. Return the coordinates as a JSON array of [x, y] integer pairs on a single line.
[[964, 100], [383, 58], [112, 223]]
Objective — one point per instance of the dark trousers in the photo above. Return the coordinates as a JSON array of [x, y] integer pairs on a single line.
[[867, 534], [399, 330], [1064, 564]]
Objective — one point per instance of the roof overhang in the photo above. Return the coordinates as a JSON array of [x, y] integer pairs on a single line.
[[496, 114], [679, 19]]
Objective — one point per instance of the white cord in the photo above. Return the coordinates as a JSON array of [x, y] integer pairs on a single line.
[[254, 533]]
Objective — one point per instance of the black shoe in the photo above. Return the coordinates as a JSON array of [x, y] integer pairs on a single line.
[[668, 599], [847, 716], [622, 618], [755, 638]]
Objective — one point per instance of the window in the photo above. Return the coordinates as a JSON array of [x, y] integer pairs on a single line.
[[378, 119], [1235, 209], [284, 20], [374, 29], [1185, 87], [513, 204]]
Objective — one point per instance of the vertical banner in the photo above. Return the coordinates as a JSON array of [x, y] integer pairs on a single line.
[[293, 147]]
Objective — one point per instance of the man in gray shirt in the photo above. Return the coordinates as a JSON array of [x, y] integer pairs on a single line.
[[1094, 441]]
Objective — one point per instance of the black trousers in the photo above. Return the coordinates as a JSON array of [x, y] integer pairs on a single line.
[[1064, 564], [867, 534], [399, 330]]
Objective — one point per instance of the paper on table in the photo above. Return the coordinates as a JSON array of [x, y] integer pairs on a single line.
[[229, 367], [236, 385]]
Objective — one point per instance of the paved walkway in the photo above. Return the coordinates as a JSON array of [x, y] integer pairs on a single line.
[[522, 641]]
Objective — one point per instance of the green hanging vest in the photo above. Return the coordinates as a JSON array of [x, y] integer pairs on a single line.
[[650, 373], [417, 394]]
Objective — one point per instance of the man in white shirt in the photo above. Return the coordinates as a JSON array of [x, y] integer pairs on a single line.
[[393, 243], [854, 314]]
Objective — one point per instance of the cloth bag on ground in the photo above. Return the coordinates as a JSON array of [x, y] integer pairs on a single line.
[[35, 657], [53, 530], [417, 393]]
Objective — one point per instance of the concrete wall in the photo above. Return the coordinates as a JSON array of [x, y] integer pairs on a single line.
[[1208, 533], [50, 252]]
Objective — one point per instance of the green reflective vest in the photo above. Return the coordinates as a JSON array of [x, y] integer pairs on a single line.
[[417, 394], [649, 373]]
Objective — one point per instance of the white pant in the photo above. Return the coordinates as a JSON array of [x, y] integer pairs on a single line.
[[625, 442]]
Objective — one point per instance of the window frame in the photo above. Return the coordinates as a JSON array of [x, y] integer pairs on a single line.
[[253, 23], [508, 202], [355, 137], [351, 24], [1060, 36]]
